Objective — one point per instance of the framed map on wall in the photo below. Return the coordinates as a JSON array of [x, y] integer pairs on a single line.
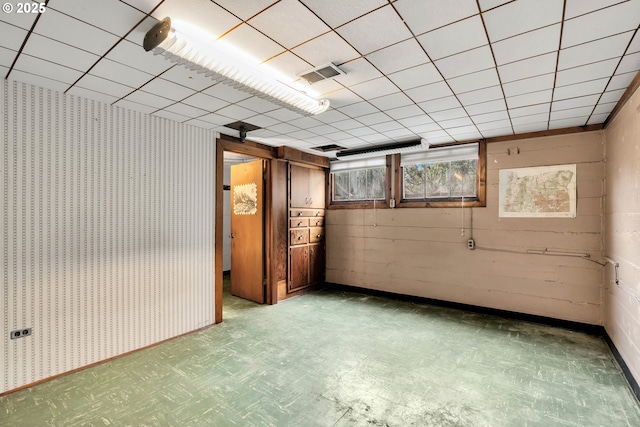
[[538, 192]]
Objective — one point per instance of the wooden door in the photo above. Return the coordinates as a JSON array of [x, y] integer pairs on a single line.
[[299, 267], [299, 186], [317, 188], [247, 231], [316, 263]]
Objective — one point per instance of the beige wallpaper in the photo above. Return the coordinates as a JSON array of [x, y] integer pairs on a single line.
[[423, 252], [622, 231], [106, 231]]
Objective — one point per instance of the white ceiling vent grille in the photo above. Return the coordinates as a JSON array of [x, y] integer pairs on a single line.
[[321, 73]]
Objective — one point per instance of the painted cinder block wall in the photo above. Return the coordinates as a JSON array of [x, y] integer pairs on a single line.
[[423, 252], [106, 231], [622, 232]]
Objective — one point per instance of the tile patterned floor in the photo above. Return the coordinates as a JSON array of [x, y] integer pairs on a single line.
[[344, 359]]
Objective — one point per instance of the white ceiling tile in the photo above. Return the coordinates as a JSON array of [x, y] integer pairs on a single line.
[[530, 67], [375, 118], [327, 48], [497, 132], [343, 97], [34, 79], [466, 62], [357, 71], [216, 119], [302, 135], [338, 136], [167, 89], [186, 110], [301, 24], [199, 123], [598, 119], [598, 50], [522, 16], [455, 38], [423, 128], [283, 128], [286, 115], [490, 4], [245, 9], [486, 107], [258, 105], [532, 84], [581, 89], [76, 33], [12, 36], [453, 113], [338, 12], [635, 44], [429, 92], [149, 99], [227, 93], [630, 63], [331, 116], [374, 88], [288, 64], [113, 16], [105, 86], [620, 81], [361, 131], [359, 109], [145, 6], [252, 43], [171, 116], [416, 76], [47, 69], [348, 124], [438, 139], [374, 138], [22, 20], [582, 112], [481, 95], [586, 72], [416, 121], [398, 57], [129, 105], [391, 101], [500, 124], [134, 56], [456, 123], [474, 81], [465, 133], [205, 102], [490, 117], [112, 70], [565, 123], [319, 89], [535, 118], [426, 15], [580, 7], [191, 79], [399, 134], [323, 129], [533, 127], [527, 45], [203, 15], [596, 25], [529, 99], [387, 126], [264, 121], [90, 94], [358, 33], [6, 57], [59, 53], [236, 112], [530, 110], [612, 96], [583, 101], [439, 104], [404, 112]]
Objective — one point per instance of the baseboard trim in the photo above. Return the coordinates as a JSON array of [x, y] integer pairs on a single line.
[[595, 330]]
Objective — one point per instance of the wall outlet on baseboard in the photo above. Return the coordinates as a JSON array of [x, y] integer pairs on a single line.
[[20, 333]]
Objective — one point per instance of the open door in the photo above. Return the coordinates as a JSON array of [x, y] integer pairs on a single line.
[[247, 236]]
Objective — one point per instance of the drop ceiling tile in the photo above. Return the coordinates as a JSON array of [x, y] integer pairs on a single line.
[[323, 129], [59, 53], [522, 16], [358, 109], [399, 56], [439, 104], [200, 124], [490, 117], [620, 81], [424, 128], [302, 135], [252, 43], [560, 124], [191, 79], [357, 71], [318, 140], [497, 132], [22, 20], [47, 69], [346, 125], [288, 64], [343, 97], [361, 131], [373, 119], [320, 88], [338, 136], [525, 120], [331, 116], [327, 48], [391, 101], [90, 94], [455, 38], [612, 96], [145, 6], [416, 121], [598, 119], [387, 126], [205, 102], [216, 119], [580, 7], [399, 134], [203, 15], [301, 24], [34, 79], [236, 112], [227, 93], [426, 15], [439, 139], [456, 123], [538, 42], [105, 86], [429, 92], [6, 57], [245, 9], [532, 98], [76, 33], [130, 54], [534, 127], [486, 107], [167, 89], [530, 110], [123, 103], [358, 33], [543, 64], [113, 16], [598, 50], [490, 4], [404, 112], [186, 110], [112, 70], [481, 95], [149, 99], [416, 76], [12, 36], [374, 138], [171, 116], [283, 128], [582, 112], [583, 101], [375, 88], [466, 62], [532, 84], [453, 113], [586, 72], [466, 133], [596, 25], [500, 124], [338, 12], [635, 44], [630, 63], [580, 89], [258, 105], [264, 121], [474, 81]]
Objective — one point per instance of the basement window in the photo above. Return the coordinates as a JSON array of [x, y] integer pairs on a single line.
[[359, 183]]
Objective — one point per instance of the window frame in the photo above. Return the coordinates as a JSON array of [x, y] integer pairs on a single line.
[[364, 204], [449, 202]]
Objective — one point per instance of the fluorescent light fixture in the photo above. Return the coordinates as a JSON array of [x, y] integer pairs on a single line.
[[215, 60], [384, 149]]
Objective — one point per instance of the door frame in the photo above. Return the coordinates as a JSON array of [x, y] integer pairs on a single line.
[[228, 143]]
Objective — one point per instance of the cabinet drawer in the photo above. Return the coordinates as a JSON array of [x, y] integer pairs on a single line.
[[299, 236], [298, 222], [317, 234], [307, 212], [316, 222]]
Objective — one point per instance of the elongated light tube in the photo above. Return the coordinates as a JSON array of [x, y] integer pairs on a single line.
[[206, 58]]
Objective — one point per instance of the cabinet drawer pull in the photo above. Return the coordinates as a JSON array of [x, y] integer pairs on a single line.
[[299, 237], [299, 213], [317, 222], [299, 223], [318, 235], [317, 213]]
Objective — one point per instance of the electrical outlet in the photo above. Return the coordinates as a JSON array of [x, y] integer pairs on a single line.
[[471, 244], [20, 333]]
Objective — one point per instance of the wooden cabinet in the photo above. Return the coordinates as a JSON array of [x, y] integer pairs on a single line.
[[306, 227]]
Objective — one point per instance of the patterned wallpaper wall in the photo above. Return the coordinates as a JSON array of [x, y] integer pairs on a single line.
[[106, 231]]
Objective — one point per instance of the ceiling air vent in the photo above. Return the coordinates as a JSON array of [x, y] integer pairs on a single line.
[[330, 147], [320, 73]]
